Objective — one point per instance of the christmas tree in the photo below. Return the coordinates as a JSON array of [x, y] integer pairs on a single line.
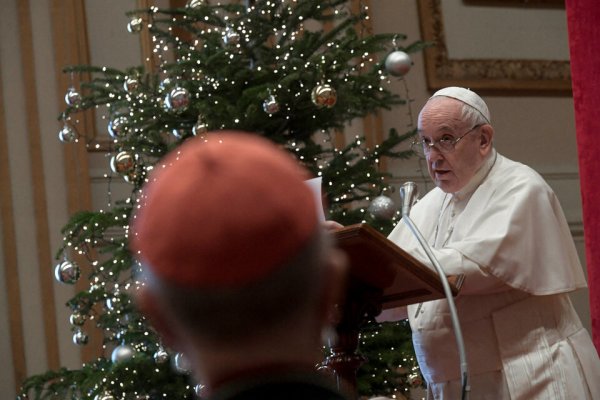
[[297, 72]]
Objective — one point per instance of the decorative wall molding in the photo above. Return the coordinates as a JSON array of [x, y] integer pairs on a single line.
[[499, 75]]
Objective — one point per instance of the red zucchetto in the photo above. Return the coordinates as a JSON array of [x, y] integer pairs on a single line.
[[223, 211]]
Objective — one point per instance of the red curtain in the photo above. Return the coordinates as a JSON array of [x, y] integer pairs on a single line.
[[583, 17]]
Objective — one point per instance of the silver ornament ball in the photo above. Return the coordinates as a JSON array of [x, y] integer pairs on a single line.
[[135, 25], [68, 134], [77, 319], [67, 272], [178, 133], [161, 356], [382, 207], [134, 175], [104, 396], [73, 97], [177, 100], [230, 36], [398, 63], [270, 105], [181, 364], [117, 127], [164, 85], [200, 390], [193, 4], [323, 95], [122, 353], [200, 127], [80, 338]]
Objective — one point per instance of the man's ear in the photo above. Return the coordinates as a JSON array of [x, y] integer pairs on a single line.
[[148, 303], [487, 134]]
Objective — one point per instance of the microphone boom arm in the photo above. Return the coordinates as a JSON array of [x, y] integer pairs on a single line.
[[409, 194]]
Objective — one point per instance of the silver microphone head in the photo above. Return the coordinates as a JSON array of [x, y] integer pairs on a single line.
[[409, 194]]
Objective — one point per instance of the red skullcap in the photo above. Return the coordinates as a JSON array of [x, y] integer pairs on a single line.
[[223, 211]]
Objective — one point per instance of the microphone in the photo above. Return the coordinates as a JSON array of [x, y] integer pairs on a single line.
[[409, 193]]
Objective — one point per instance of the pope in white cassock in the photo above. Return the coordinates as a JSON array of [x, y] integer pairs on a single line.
[[497, 222]]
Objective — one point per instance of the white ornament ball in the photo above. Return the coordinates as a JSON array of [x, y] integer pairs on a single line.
[[122, 353], [398, 63], [382, 207], [177, 100], [73, 97], [68, 134], [67, 272]]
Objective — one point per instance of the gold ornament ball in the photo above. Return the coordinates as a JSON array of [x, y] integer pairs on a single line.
[[323, 95], [123, 163], [131, 84], [177, 100], [398, 63]]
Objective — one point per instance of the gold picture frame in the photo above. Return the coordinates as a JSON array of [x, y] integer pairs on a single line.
[[486, 75]]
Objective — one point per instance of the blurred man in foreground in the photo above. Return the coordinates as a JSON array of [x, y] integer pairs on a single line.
[[241, 277]]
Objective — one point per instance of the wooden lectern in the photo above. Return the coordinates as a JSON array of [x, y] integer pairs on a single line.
[[382, 276]]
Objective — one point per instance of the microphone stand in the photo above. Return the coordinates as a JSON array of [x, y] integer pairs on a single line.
[[409, 194]]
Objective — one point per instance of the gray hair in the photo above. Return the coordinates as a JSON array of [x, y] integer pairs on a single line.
[[472, 116]]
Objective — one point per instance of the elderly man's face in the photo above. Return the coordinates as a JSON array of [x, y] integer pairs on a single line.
[[441, 118]]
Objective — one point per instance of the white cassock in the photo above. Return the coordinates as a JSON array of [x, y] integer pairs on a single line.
[[506, 232]]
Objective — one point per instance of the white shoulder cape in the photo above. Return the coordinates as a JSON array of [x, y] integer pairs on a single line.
[[513, 227]]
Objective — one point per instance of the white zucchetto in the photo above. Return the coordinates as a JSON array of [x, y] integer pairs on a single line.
[[466, 96]]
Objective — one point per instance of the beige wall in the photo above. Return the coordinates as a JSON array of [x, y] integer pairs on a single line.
[[42, 181]]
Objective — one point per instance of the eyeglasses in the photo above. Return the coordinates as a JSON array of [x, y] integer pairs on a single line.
[[445, 144]]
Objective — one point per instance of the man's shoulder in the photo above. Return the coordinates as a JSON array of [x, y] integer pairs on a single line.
[[510, 175]]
